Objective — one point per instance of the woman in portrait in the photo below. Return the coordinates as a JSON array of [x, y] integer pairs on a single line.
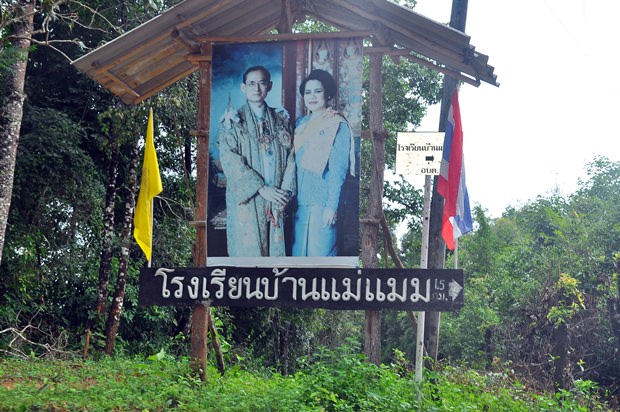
[[324, 155]]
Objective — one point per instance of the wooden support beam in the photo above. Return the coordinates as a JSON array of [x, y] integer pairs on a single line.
[[121, 83], [370, 227], [200, 313], [198, 223], [286, 18], [172, 80], [283, 37], [185, 41], [197, 58], [452, 73]]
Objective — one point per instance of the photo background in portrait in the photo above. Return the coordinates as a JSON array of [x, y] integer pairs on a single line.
[[343, 59], [289, 62]]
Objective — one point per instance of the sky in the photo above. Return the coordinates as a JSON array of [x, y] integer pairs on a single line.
[[557, 62]]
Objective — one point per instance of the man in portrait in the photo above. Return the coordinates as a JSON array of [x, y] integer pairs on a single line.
[[257, 158]]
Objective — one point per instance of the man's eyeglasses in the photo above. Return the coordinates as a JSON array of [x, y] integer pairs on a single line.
[[260, 83]]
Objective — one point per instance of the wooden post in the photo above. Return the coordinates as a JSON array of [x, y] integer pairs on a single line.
[[437, 247], [370, 227], [421, 318], [200, 313]]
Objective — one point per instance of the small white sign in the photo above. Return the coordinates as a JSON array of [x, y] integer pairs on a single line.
[[419, 153]]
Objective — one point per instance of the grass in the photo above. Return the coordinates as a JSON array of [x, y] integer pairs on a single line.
[[336, 382]]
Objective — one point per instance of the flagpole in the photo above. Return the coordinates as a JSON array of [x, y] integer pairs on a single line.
[[421, 316], [148, 263], [456, 253]]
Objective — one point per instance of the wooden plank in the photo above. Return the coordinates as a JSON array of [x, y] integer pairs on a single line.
[[102, 65], [285, 25], [122, 84], [197, 58], [406, 18], [405, 53], [157, 87], [124, 58], [388, 33], [240, 18], [459, 76], [400, 35], [155, 62], [217, 7], [116, 89], [284, 37], [259, 25]]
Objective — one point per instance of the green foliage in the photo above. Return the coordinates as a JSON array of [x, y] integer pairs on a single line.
[[55, 220], [340, 381], [276, 338], [570, 301], [52, 252], [337, 381], [406, 204], [517, 290]]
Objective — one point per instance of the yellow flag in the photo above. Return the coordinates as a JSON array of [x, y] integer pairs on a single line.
[[150, 186]]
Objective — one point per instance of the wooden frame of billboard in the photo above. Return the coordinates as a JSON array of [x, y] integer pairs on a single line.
[[369, 226]]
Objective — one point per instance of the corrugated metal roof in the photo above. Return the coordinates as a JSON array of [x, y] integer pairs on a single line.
[[149, 58]]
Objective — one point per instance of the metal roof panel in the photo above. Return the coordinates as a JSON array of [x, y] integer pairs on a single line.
[[154, 55]]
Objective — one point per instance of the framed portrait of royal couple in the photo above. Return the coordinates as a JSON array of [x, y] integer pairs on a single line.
[[284, 164]]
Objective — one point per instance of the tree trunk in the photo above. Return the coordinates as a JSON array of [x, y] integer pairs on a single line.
[[560, 355], [187, 155], [283, 357], [105, 263], [116, 309], [370, 228], [198, 340], [12, 108], [488, 346], [613, 312]]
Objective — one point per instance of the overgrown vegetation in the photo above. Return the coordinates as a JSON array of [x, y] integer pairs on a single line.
[[338, 380]]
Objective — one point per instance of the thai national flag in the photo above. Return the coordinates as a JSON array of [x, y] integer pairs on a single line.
[[456, 219]]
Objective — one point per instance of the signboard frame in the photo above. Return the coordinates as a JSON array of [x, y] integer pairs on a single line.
[[329, 288], [289, 62], [419, 153]]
